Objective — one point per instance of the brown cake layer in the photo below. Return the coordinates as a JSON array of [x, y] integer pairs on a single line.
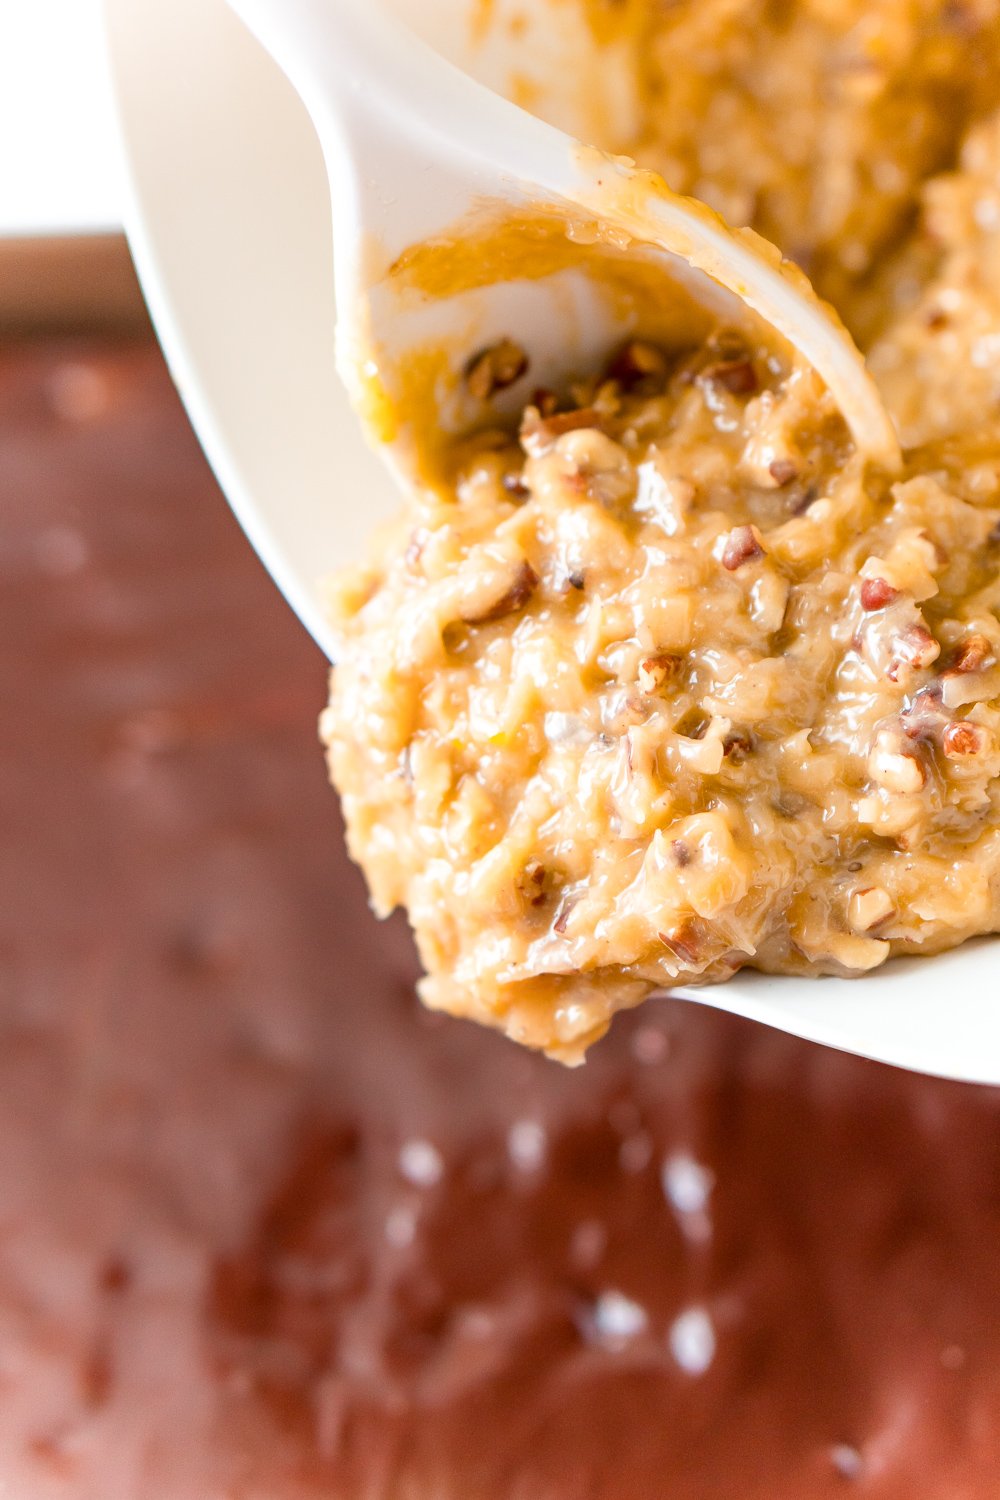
[[270, 1232]]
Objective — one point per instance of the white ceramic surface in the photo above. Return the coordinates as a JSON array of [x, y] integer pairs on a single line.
[[229, 218]]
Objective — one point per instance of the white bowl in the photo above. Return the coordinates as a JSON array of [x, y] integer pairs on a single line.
[[229, 223]]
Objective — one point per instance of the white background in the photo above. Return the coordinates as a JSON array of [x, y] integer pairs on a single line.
[[58, 161]]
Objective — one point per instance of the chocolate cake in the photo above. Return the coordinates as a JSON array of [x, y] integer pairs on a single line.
[[270, 1231]]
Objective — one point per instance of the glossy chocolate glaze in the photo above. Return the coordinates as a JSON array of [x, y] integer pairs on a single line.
[[270, 1232]]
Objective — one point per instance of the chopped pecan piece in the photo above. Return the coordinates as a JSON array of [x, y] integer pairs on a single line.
[[870, 909], [515, 486], [876, 593], [728, 343], [783, 470], [533, 883], [737, 745], [596, 466], [539, 433], [563, 914], [918, 647], [893, 766], [737, 376], [972, 654], [495, 368], [685, 941], [636, 362], [923, 716], [654, 670], [743, 544], [517, 593], [915, 648], [962, 738], [800, 499], [941, 555]]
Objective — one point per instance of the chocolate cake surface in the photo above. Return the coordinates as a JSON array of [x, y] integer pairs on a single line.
[[269, 1231]]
